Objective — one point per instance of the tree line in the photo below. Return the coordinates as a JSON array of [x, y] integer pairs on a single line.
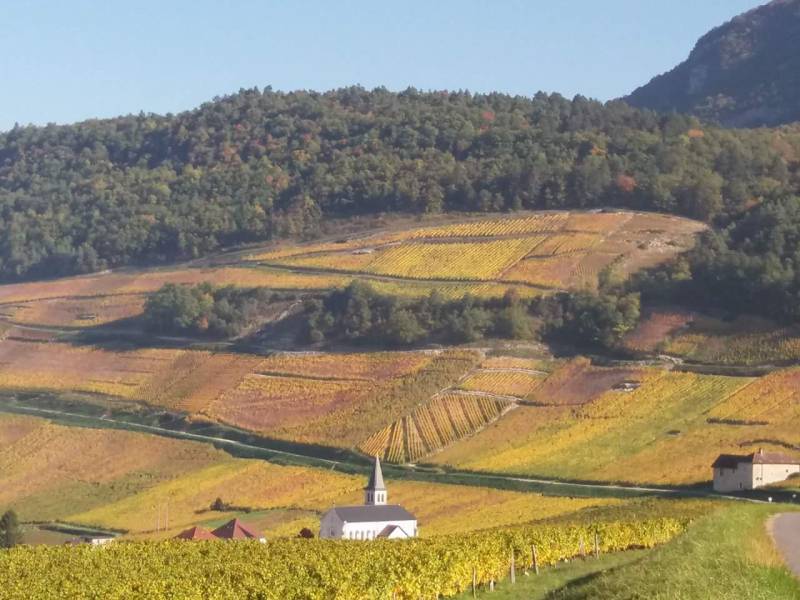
[[360, 315], [10, 530], [749, 266], [259, 165], [205, 309]]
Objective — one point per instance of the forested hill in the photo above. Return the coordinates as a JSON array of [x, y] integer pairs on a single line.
[[744, 73], [256, 165]]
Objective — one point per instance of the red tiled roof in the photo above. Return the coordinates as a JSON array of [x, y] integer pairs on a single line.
[[236, 530], [196, 533]]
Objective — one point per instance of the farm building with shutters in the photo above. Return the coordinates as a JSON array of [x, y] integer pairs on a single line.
[[733, 472]]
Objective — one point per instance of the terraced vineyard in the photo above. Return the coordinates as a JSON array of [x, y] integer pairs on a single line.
[[546, 250], [333, 399], [504, 382], [666, 427], [118, 479], [445, 419], [533, 254]]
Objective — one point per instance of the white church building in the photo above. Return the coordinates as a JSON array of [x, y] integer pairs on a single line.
[[375, 519]]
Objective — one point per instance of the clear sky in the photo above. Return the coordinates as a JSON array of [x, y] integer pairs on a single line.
[[67, 60]]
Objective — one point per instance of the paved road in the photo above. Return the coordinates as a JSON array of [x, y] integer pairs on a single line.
[[786, 532]]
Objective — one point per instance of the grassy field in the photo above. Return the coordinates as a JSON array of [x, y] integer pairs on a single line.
[[724, 556], [550, 580]]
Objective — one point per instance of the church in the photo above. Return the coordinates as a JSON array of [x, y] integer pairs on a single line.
[[374, 520]]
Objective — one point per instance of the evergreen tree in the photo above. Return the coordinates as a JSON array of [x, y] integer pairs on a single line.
[[10, 531]]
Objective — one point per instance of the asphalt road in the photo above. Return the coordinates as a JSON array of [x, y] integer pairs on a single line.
[[786, 532]]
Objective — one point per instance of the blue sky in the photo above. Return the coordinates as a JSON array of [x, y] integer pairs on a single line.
[[67, 60]]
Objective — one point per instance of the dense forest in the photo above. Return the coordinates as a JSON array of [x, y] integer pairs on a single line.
[[258, 165], [752, 265], [358, 314], [206, 309]]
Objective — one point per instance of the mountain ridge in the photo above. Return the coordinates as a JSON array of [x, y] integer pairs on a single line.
[[743, 73]]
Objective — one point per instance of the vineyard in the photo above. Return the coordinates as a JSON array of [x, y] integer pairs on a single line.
[[654, 328], [445, 419], [485, 258], [548, 250], [742, 342], [309, 569], [503, 382], [665, 428], [774, 398], [52, 472], [117, 479], [328, 399]]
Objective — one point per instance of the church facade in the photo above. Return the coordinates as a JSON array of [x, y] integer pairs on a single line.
[[375, 519]]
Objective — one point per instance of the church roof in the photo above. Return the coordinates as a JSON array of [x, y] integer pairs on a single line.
[[380, 512], [376, 477]]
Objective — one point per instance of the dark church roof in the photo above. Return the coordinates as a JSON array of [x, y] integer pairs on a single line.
[[381, 512], [376, 478]]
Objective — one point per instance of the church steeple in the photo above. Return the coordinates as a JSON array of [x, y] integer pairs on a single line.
[[375, 492]]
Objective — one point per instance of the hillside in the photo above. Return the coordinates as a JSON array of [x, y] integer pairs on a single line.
[[745, 73], [118, 480], [505, 406], [262, 165]]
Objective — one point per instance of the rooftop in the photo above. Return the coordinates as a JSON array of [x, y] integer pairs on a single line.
[[236, 530], [730, 461], [196, 533], [363, 514], [376, 477]]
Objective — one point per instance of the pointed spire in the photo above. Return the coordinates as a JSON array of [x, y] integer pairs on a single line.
[[375, 482], [375, 492]]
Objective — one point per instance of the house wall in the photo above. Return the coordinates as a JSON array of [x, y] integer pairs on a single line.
[[748, 476], [766, 474], [330, 526], [370, 530], [733, 480]]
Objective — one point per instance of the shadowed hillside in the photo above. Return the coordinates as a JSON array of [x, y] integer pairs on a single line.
[[745, 73]]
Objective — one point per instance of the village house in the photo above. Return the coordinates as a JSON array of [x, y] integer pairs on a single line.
[[92, 540], [374, 520], [734, 472], [232, 530], [195, 534]]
